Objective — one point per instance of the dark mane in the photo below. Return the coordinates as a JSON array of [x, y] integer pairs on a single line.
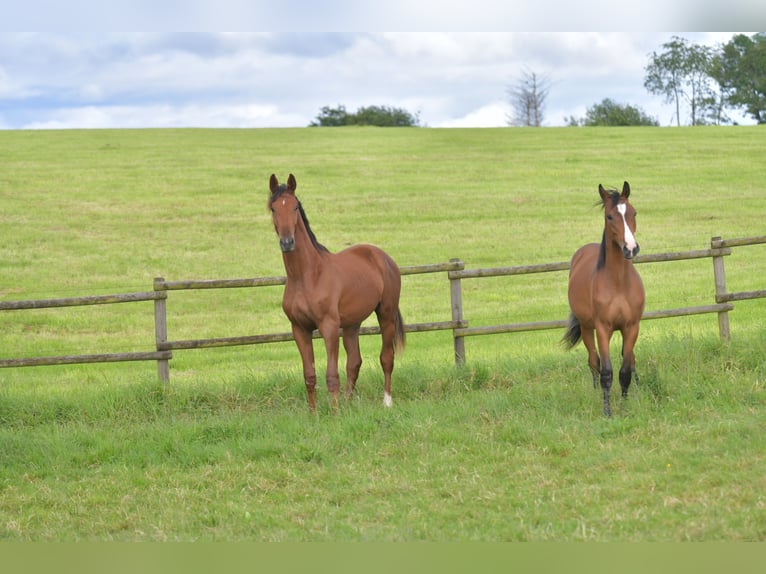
[[283, 189], [602, 252]]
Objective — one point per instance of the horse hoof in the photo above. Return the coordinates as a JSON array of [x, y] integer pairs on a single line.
[[388, 402]]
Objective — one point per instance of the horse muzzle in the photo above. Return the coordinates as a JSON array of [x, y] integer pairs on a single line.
[[628, 252], [287, 244]]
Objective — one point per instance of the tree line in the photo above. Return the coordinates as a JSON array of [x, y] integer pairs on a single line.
[[702, 81], [711, 80]]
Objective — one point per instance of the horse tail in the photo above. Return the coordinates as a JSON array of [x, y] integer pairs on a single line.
[[400, 338], [573, 333]]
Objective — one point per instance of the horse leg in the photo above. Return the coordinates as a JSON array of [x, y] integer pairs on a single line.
[[387, 323], [306, 349], [593, 361], [628, 368], [604, 334], [330, 335], [353, 358]]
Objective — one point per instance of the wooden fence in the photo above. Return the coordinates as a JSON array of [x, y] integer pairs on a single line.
[[719, 248], [456, 273], [160, 285]]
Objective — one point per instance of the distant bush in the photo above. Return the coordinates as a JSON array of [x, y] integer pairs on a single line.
[[610, 113], [383, 116]]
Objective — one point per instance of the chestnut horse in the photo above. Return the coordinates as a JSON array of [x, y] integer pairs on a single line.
[[606, 293], [333, 291]]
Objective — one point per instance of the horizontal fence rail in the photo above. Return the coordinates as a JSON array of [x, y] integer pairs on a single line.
[[281, 337], [158, 355], [77, 359], [161, 285], [560, 324], [454, 269], [81, 301]]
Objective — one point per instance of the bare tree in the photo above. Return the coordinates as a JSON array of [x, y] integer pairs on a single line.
[[527, 97]]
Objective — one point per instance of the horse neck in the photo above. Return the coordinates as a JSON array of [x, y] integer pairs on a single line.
[[615, 264], [303, 262]]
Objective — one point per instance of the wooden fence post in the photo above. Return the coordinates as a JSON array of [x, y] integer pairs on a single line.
[[161, 328], [720, 288], [456, 296]]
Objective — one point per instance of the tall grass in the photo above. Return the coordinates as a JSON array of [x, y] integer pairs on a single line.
[[511, 447], [503, 450]]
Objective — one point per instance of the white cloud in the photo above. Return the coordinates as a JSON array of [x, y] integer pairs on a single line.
[[235, 116], [494, 114]]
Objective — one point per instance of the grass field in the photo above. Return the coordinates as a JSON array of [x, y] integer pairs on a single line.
[[512, 447]]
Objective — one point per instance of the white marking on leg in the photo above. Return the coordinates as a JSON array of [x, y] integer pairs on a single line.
[[387, 400], [630, 240]]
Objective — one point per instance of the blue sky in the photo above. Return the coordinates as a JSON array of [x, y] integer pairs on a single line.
[[55, 80]]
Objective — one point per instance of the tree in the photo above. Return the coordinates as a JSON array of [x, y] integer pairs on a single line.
[[383, 116], [720, 72], [527, 98], [682, 71], [741, 69], [331, 117], [610, 113]]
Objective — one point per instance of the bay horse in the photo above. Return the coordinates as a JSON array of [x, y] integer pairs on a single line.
[[333, 291], [606, 293]]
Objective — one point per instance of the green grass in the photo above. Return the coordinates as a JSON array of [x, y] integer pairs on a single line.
[[503, 451], [512, 447]]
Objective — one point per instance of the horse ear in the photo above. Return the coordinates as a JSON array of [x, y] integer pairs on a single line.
[[602, 192], [273, 184], [291, 184], [626, 190]]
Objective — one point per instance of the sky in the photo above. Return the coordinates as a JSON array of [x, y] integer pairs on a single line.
[[97, 79]]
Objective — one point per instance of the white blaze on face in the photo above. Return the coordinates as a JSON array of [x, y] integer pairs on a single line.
[[630, 241]]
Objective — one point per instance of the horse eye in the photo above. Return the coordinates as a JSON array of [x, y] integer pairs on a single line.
[[609, 217]]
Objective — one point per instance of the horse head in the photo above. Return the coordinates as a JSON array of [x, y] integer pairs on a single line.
[[288, 216], [620, 219], [285, 211]]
